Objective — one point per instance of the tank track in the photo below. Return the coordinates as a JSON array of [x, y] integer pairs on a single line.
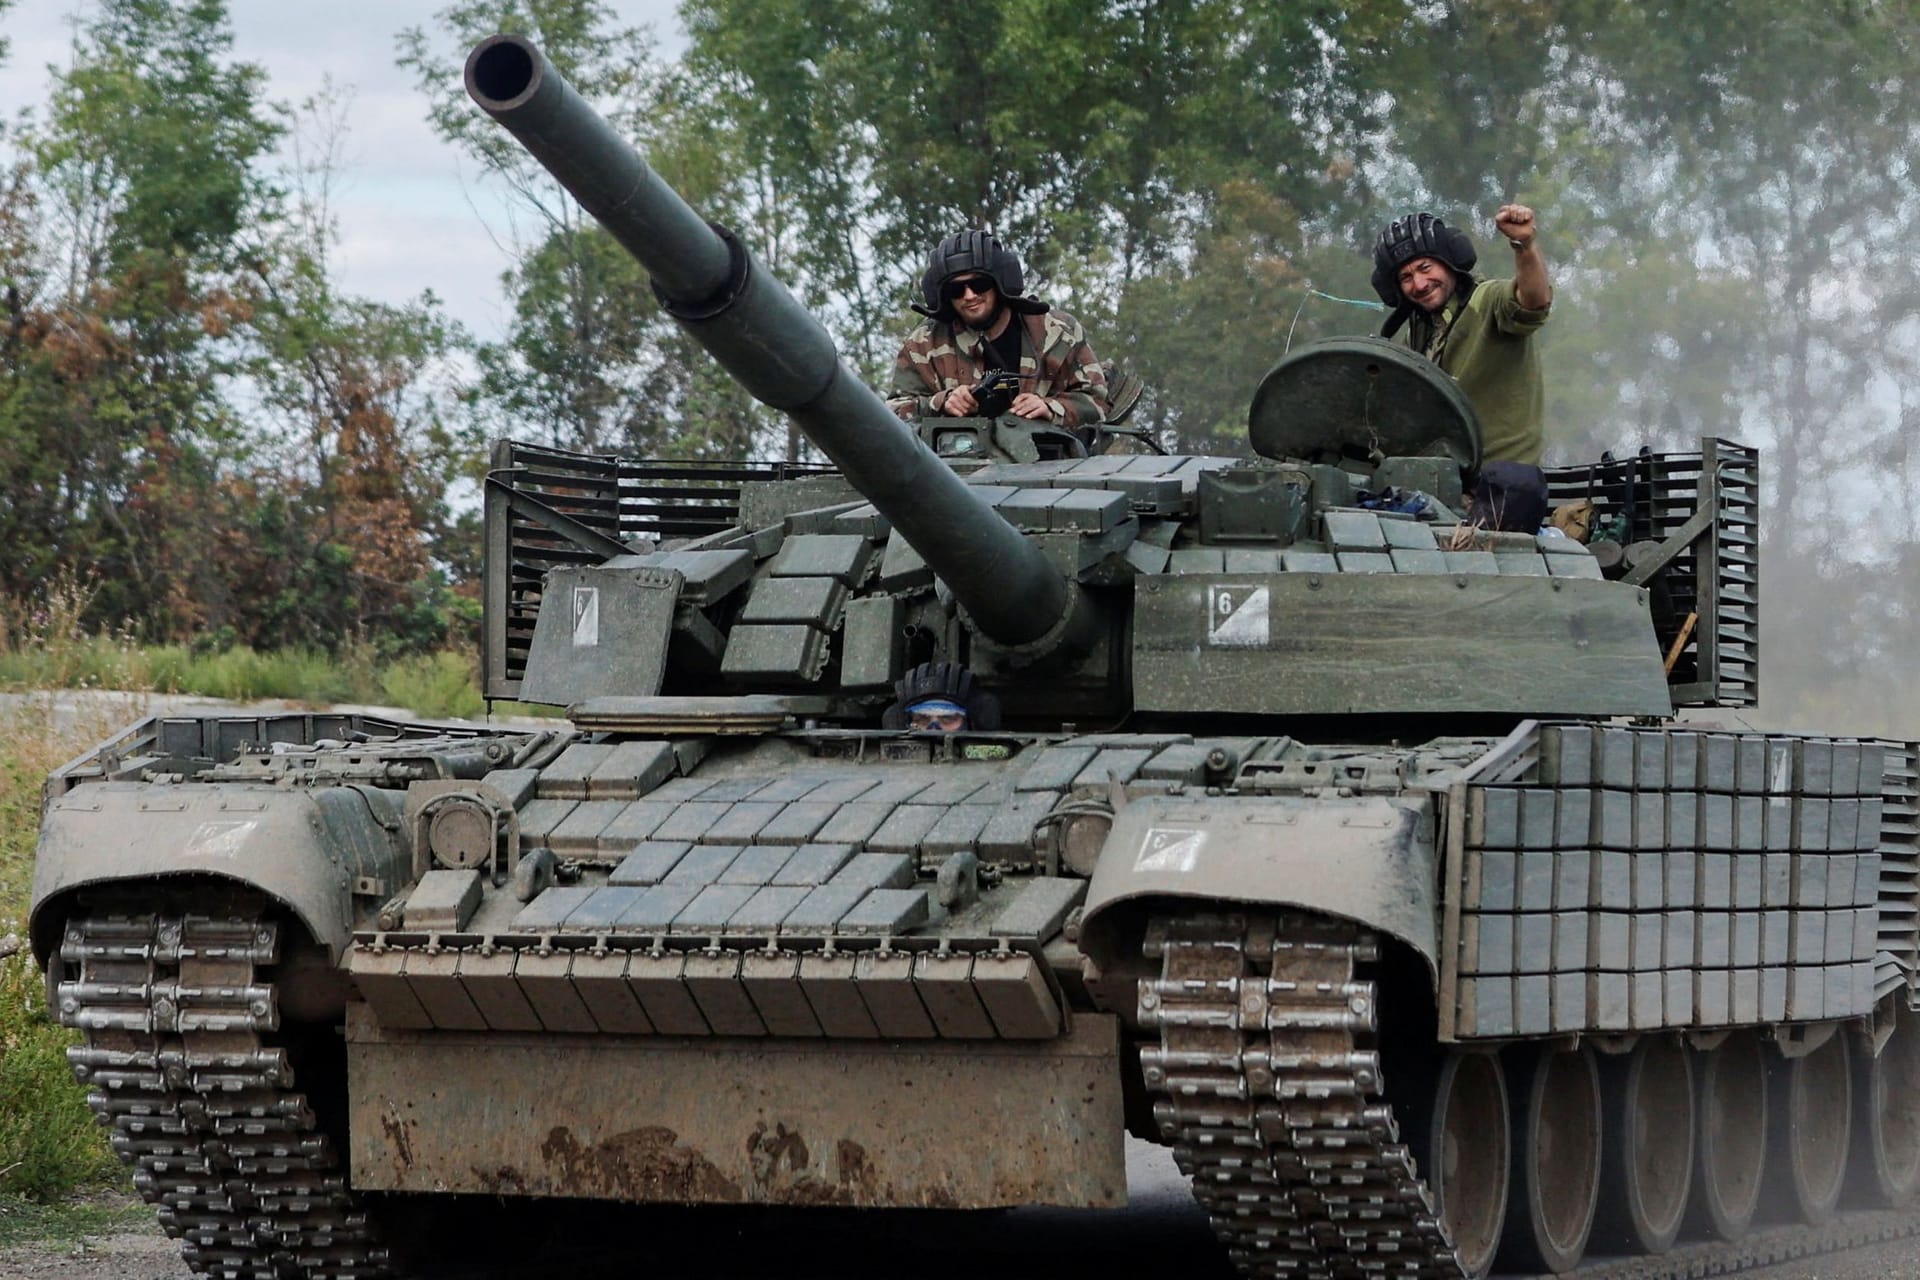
[[1273, 1107], [1265, 1084], [178, 1068]]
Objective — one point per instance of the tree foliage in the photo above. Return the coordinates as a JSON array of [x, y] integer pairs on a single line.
[[189, 412], [1725, 186], [589, 360]]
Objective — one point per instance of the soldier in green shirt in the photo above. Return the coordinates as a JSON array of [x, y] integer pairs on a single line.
[[1480, 331]]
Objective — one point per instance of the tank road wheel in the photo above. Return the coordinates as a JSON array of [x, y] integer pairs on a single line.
[[1887, 1119], [1731, 1142], [1556, 1158], [1463, 1151], [1646, 1147], [1811, 1122]]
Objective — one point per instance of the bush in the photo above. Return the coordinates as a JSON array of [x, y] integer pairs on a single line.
[[49, 1144], [435, 685]]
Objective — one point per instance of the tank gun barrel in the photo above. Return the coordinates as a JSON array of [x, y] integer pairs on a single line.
[[744, 316]]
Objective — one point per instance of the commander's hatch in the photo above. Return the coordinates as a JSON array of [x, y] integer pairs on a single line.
[[1361, 400]]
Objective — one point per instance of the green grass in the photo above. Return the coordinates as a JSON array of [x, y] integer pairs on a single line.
[[435, 684], [45, 645], [69, 1223], [49, 1144], [243, 674]]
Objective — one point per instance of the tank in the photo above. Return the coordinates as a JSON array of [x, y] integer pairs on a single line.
[[922, 825]]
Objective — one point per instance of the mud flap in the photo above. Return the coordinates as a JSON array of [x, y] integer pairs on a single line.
[[926, 1124], [1370, 859]]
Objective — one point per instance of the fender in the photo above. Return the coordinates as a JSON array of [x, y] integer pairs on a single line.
[[309, 848], [1370, 859]]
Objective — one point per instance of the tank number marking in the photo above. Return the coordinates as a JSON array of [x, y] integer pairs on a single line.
[[586, 617], [220, 838], [1169, 849], [1237, 617]]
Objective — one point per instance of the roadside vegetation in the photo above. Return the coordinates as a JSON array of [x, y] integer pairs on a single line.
[[49, 1145], [71, 1223], [46, 643]]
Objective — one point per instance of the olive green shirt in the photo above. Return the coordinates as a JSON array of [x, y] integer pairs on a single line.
[[1487, 345]]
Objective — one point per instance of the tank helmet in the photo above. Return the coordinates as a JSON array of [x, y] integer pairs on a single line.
[[967, 251], [949, 683], [1418, 235]]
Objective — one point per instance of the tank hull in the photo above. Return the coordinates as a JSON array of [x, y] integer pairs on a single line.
[[1366, 940]]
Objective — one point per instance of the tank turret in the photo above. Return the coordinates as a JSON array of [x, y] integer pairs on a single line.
[[1080, 588]]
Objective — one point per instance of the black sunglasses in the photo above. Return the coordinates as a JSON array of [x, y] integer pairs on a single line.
[[972, 284]]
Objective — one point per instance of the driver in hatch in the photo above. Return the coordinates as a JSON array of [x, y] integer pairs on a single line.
[[941, 697]]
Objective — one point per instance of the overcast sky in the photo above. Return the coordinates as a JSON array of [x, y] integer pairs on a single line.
[[412, 215]]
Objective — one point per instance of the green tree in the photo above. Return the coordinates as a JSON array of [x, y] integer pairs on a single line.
[[148, 201], [1125, 149], [589, 360], [1799, 212], [1719, 182], [341, 522]]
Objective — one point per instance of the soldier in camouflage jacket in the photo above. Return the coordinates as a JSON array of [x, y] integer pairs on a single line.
[[978, 320]]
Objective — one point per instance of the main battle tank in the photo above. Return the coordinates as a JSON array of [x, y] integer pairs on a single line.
[[1363, 859]]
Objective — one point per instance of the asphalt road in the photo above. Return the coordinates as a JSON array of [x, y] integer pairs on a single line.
[[1160, 1233]]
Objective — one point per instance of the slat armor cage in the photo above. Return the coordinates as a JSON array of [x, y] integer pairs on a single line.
[[1698, 515], [550, 508]]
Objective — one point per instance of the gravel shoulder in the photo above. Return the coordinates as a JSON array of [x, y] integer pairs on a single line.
[[111, 1236]]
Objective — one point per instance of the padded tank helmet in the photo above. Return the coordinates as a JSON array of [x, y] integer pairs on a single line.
[[1418, 235], [972, 251], [947, 682]]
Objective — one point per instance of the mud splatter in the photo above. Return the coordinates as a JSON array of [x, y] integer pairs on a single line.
[[641, 1164], [398, 1138], [856, 1172], [767, 1151], [502, 1181]]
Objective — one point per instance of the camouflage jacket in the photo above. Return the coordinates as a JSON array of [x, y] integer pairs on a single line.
[[939, 356]]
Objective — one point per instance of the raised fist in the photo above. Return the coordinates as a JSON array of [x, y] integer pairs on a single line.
[[1515, 222]]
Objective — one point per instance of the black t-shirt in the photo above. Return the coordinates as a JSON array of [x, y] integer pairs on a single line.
[[1003, 352]]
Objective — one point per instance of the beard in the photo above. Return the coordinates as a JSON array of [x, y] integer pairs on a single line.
[[985, 323]]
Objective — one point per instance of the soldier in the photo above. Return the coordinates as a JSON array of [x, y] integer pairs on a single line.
[[978, 321], [1480, 331]]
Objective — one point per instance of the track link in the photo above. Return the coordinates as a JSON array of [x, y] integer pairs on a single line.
[[1267, 1085], [179, 1068], [1267, 1088]]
